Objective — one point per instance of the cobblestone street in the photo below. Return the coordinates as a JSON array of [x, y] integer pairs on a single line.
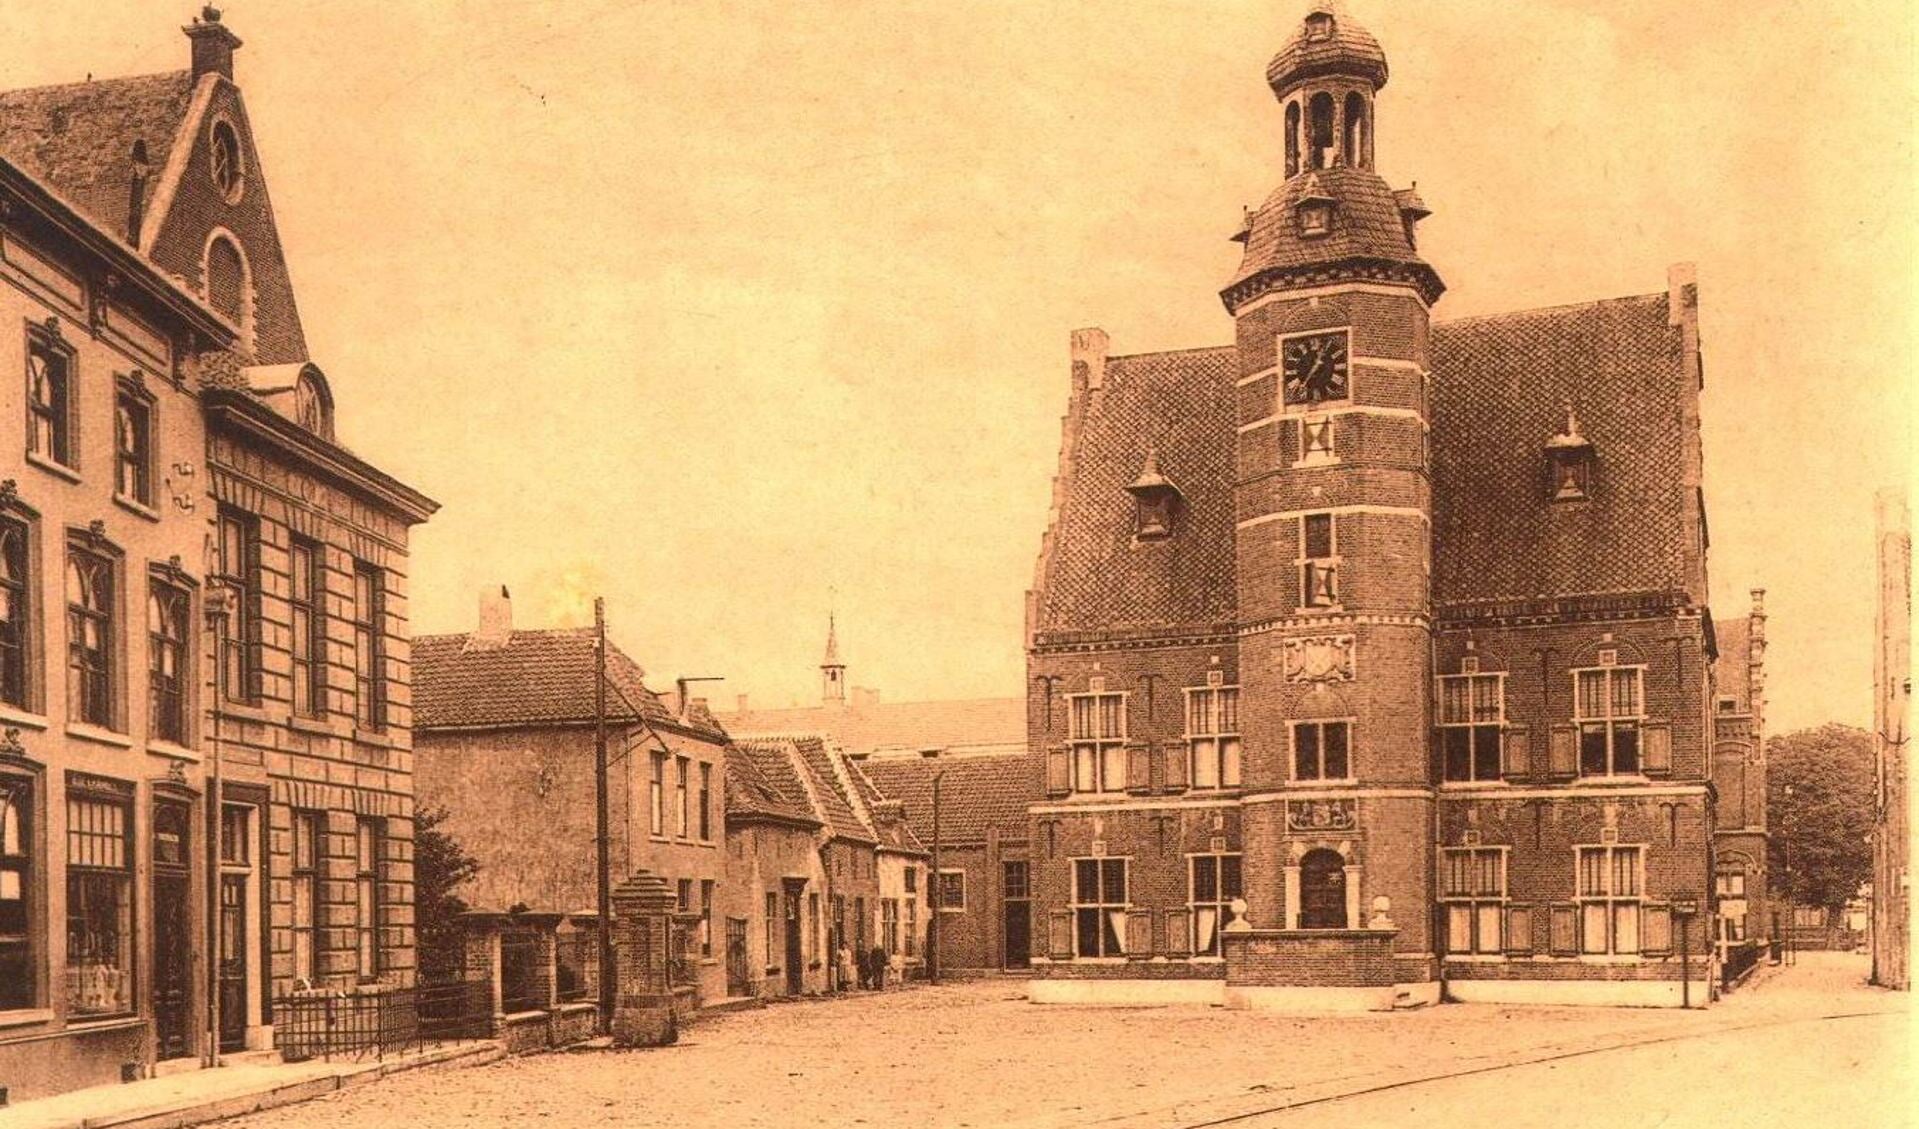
[[977, 1054]]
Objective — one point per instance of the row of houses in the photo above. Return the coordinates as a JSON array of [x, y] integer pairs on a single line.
[[205, 707]]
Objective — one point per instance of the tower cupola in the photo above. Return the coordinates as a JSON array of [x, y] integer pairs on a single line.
[[1325, 77], [832, 670]]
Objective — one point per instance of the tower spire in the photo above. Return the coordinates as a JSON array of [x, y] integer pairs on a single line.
[[832, 670]]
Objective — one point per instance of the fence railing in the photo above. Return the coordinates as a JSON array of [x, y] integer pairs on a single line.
[[376, 1023], [1739, 959]]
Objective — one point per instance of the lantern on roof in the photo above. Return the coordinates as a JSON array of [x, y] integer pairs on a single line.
[[1569, 462], [1154, 498]]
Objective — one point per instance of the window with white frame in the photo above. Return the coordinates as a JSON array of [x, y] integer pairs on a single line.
[[1214, 883], [1730, 886], [1099, 907], [1319, 562], [1472, 711], [1611, 888], [1322, 750], [1474, 892], [1212, 733], [949, 892], [1098, 736], [1609, 708]]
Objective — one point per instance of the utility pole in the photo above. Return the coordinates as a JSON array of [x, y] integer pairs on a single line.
[[935, 887], [218, 607], [600, 819]]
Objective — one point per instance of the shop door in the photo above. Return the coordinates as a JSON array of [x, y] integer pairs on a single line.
[[172, 931], [233, 962], [739, 980], [1016, 910], [795, 960]]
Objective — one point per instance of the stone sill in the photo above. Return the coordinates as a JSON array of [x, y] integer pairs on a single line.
[[58, 470], [136, 507], [26, 1017], [12, 715], [84, 732]]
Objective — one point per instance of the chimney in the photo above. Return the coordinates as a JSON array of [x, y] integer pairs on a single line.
[[496, 621], [213, 44]]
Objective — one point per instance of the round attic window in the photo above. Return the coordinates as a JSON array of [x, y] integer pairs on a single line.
[[224, 153]]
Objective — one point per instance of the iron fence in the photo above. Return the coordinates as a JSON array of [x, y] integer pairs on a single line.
[[373, 1024], [1738, 960]]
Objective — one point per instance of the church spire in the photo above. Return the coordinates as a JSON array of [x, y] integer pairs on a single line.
[[832, 670]]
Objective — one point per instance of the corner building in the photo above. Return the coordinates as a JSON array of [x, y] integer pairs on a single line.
[[1369, 657]]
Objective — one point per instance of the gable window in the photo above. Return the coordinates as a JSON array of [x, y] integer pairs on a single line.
[[133, 445], [1099, 907], [90, 636], [17, 960], [1319, 562], [1609, 707], [1474, 892], [1212, 733], [369, 646], [366, 896], [14, 613], [1472, 709], [99, 906], [225, 162], [1321, 750], [1097, 732], [1610, 890], [307, 893], [238, 571], [167, 666], [307, 609], [1214, 883], [50, 398]]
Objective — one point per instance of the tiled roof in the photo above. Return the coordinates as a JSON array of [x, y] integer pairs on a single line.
[[892, 833], [810, 765], [977, 793], [1500, 390], [79, 137], [1179, 407], [1366, 225], [1731, 673], [536, 678], [761, 780], [867, 727]]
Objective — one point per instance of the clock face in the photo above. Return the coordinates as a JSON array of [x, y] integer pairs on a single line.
[[1313, 368]]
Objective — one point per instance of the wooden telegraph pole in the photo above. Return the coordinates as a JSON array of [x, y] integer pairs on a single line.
[[600, 818]]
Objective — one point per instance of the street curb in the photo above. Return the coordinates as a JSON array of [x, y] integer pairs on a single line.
[[179, 1113]]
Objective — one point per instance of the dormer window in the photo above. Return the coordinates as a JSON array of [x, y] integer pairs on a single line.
[[1315, 218], [1569, 463], [1154, 499], [1319, 25]]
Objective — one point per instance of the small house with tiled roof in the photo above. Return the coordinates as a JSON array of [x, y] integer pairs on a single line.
[[776, 876], [1359, 580], [969, 811], [504, 724]]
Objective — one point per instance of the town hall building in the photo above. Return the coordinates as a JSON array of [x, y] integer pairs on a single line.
[[1369, 655]]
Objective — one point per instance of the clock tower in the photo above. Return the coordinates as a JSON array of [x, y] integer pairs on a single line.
[[1334, 531]]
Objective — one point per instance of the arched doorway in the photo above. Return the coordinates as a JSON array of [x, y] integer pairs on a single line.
[[1322, 890]]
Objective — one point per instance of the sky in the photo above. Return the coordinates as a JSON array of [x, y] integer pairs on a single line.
[[739, 311]]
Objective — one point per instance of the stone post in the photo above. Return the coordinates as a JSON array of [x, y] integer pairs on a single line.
[[642, 987], [481, 932]]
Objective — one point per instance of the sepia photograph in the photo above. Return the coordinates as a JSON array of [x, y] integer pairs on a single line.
[[956, 564]]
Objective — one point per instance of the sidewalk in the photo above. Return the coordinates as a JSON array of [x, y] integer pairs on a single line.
[[194, 1096]]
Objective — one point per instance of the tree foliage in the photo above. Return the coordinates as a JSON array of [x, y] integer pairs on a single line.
[[1820, 850], [440, 866]]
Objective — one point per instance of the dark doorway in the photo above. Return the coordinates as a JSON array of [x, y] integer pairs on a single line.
[[1017, 911], [1322, 890], [233, 962], [795, 958], [172, 932], [739, 979]]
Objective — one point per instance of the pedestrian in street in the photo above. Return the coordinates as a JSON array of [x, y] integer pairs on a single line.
[[878, 974], [848, 973]]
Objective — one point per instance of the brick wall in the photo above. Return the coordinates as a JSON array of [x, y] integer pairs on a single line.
[[1347, 959]]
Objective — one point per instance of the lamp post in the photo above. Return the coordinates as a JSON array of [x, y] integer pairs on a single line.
[[1792, 906], [1684, 907], [935, 888], [218, 605]]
